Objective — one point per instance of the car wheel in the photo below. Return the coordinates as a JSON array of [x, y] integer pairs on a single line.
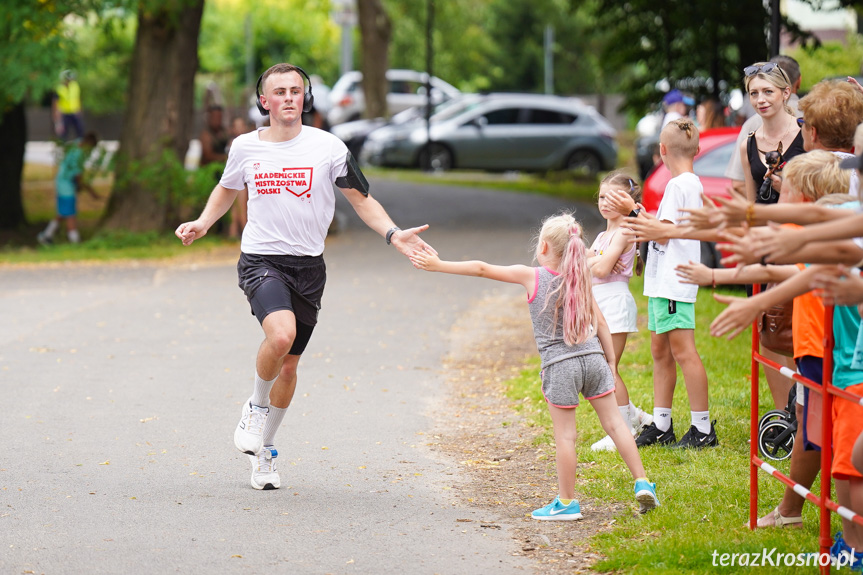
[[583, 163], [436, 157]]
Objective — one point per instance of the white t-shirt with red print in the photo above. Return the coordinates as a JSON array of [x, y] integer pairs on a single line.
[[291, 194], [660, 277]]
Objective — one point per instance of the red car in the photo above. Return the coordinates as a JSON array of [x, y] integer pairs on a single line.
[[717, 145]]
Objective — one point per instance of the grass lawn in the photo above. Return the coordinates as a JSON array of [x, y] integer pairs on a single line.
[[704, 494], [20, 246]]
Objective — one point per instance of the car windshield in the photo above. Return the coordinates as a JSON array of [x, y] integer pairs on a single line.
[[713, 163], [453, 108], [418, 112]]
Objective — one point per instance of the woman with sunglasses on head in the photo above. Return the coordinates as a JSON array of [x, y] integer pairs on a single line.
[[769, 89], [776, 141]]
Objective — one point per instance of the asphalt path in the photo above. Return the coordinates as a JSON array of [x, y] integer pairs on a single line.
[[122, 384]]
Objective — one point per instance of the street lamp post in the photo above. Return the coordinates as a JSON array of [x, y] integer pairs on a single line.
[[344, 14], [429, 63]]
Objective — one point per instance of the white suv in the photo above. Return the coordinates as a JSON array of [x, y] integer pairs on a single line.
[[407, 89]]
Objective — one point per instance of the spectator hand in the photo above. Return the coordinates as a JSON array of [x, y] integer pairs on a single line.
[[733, 209], [853, 81], [424, 260], [741, 312], [740, 247], [704, 218], [839, 285], [645, 227], [694, 273], [773, 242]]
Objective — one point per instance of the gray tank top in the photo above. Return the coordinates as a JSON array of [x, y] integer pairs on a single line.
[[549, 338]]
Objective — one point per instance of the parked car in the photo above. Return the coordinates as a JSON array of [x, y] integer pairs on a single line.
[[530, 132], [407, 89], [717, 145], [354, 134]]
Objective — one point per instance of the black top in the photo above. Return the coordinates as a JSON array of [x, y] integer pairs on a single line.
[[759, 170]]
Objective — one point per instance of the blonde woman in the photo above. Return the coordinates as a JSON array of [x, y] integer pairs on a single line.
[[769, 89]]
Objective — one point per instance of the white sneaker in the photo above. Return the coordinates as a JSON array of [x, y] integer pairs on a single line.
[[249, 435], [604, 444], [640, 420], [607, 443], [264, 474]]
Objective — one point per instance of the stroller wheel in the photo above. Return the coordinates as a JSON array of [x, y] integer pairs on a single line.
[[776, 439], [772, 415]]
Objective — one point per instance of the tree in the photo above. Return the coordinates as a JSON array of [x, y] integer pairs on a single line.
[[295, 31], [375, 31], [31, 55], [158, 120]]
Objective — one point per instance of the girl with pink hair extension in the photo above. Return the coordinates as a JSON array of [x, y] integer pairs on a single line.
[[575, 347]]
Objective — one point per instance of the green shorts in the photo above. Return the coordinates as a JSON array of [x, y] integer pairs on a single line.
[[664, 315]]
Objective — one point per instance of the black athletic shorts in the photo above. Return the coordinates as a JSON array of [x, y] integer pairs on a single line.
[[295, 283]]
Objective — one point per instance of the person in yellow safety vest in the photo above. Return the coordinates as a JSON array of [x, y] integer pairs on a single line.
[[66, 109]]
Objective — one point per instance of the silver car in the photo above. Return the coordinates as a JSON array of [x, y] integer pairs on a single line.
[[406, 89], [529, 132]]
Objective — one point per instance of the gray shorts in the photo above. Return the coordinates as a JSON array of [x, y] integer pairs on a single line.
[[588, 375]]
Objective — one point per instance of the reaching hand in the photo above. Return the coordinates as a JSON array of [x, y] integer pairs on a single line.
[[853, 81], [693, 273], [840, 285], [703, 218], [740, 313], [740, 248], [646, 227], [773, 242], [424, 260], [733, 209], [408, 241]]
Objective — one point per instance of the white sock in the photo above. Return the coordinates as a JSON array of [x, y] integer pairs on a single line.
[[633, 412], [261, 396], [701, 421], [625, 414], [272, 424], [662, 418], [74, 236], [51, 228]]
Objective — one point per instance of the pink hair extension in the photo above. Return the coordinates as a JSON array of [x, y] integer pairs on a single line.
[[576, 297]]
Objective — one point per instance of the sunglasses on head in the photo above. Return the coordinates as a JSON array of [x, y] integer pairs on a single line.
[[764, 69], [800, 122]]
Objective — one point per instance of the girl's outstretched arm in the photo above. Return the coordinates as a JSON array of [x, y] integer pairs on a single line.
[[517, 274]]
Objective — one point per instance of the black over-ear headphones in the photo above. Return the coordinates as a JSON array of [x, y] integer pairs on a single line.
[[308, 97]]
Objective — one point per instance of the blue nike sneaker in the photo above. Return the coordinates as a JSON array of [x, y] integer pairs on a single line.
[[842, 555], [557, 511], [645, 494]]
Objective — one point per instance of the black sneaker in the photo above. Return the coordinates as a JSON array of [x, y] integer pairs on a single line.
[[694, 439], [652, 436]]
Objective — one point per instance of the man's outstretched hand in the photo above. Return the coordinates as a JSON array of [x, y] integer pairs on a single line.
[[408, 241]]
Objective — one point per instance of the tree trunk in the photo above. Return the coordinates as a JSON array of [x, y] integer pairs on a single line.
[[158, 120], [13, 126], [375, 32]]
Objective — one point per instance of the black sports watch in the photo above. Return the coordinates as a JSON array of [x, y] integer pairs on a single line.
[[390, 233], [634, 213]]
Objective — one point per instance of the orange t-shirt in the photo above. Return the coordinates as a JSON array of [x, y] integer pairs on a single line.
[[807, 321]]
